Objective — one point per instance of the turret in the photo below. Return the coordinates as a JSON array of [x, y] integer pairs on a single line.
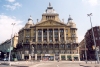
[[71, 23], [29, 23]]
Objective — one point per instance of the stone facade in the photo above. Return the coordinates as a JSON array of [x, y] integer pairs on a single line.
[[51, 38]]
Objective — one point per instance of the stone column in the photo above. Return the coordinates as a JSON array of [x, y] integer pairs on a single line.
[[35, 56], [41, 56], [64, 35], [66, 56], [59, 34], [54, 57], [29, 56], [42, 35], [24, 36], [22, 56], [72, 57], [36, 35], [79, 57], [53, 36], [59, 56], [47, 35]]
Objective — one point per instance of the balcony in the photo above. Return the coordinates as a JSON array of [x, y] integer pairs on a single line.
[[27, 36], [56, 41], [45, 42]]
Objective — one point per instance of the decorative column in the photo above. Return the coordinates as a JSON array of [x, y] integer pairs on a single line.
[[59, 34], [78, 54], [59, 56], [22, 56], [29, 56], [53, 36], [47, 35], [54, 57], [36, 35], [24, 36], [41, 56], [42, 35], [59, 38], [35, 56], [65, 35], [66, 56]]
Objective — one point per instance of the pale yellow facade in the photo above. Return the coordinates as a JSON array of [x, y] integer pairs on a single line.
[[51, 38]]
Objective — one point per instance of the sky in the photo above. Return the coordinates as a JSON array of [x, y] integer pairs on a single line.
[[18, 11]]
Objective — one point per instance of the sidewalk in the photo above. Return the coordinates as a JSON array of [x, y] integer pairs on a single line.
[[20, 63]]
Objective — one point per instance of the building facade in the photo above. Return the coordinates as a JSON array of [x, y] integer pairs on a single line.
[[90, 43], [83, 50], [5, 46], [48, 39]]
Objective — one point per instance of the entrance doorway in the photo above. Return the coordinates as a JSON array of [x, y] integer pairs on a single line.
[[26, 57]]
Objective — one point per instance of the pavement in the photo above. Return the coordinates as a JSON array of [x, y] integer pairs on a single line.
[[51, 64]]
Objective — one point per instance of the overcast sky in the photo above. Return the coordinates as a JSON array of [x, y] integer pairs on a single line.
[[18, 11]]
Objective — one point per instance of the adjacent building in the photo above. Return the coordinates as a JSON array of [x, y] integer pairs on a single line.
[[6, 46], [83, 50], [48, 39], [91, 55]]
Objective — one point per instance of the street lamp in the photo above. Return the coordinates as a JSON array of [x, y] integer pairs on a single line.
[[11, 43], [93, 38]]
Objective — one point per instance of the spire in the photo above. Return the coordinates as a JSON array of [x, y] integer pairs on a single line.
[[30, 18], [70, 18], [49, 4]]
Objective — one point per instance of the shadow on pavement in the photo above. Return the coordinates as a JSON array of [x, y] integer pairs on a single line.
[[22, 66]]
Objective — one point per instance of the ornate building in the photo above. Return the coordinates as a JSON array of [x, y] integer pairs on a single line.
[[51, 38]]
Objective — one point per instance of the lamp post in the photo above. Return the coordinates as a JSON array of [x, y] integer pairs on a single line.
[[93, 38], [11, 43]]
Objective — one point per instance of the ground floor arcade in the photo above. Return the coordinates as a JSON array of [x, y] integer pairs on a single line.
[[50, 57]]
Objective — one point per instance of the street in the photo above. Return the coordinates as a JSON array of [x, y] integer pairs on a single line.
[[66, 64], [51, 64]]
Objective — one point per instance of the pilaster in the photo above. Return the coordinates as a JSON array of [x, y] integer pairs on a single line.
[[64, 35], [59, 56], [35, 56], [42, 35], [47, 35], [53, 36], [59, 34], [22, 56], [29, 56], [66, 56], [36, 35]]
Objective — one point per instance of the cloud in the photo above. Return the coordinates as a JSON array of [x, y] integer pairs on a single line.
[[6, 27], [91, 2], [13, 6], [11, 1]]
